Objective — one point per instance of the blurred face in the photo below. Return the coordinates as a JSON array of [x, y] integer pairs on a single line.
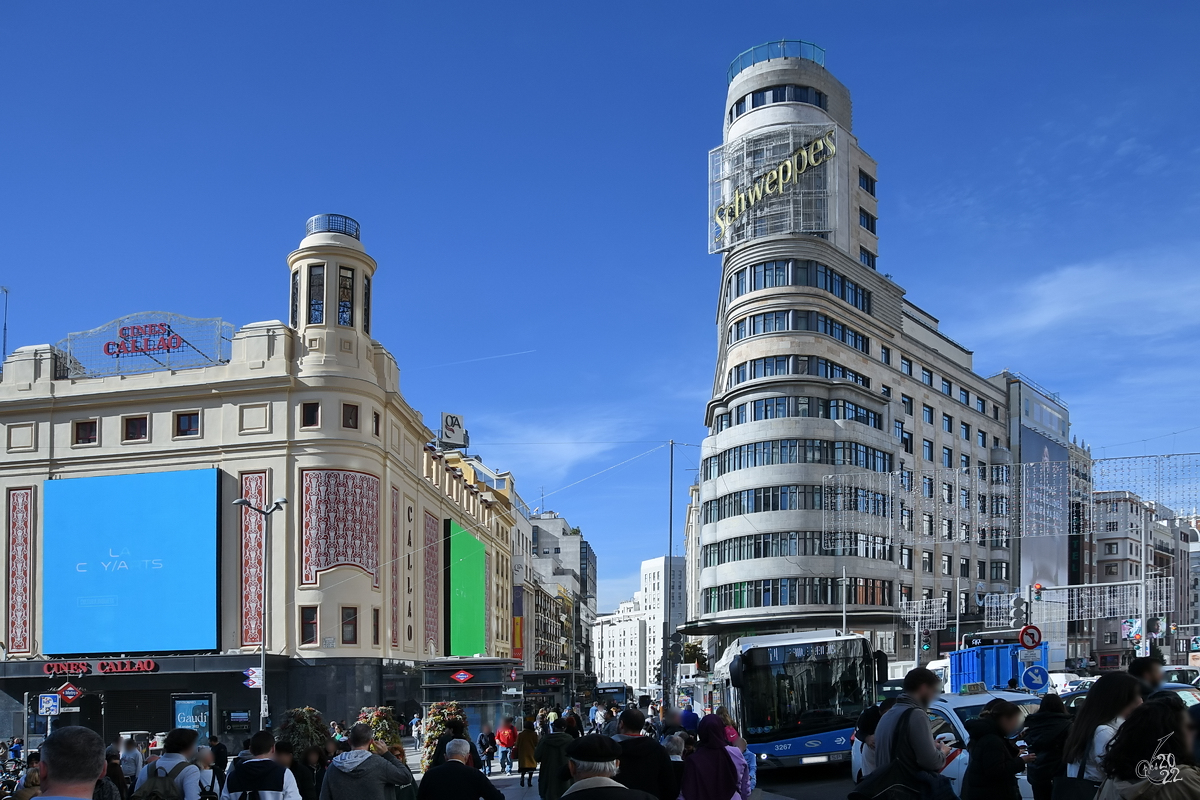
[[925, 694], [313, 757], [283, 759], [1155, 677], [1010, 724]]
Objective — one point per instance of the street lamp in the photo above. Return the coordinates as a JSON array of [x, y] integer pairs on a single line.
[[279, 503]]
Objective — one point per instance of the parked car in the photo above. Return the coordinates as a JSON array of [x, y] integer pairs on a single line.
[[1180, 674], [948, 715], [1190, 695]]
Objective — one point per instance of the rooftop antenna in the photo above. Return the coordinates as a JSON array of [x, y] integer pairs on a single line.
[[4, 338]]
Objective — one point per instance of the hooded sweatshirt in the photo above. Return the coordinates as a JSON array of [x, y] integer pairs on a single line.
[[994, 763], [645, 765], [272, 781], [363, 775]]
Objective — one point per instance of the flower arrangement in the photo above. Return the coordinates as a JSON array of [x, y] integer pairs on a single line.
[[382, 720], [434, 725], [303, 728]]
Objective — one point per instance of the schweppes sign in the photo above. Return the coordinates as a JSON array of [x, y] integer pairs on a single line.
[[776, 181]]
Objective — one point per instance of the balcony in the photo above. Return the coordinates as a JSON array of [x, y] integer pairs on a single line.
[[782, 49]]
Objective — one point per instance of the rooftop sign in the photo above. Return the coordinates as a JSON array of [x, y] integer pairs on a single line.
[[145, 342]]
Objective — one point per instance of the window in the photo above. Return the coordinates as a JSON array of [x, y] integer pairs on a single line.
[[310, 415], [906, 366], [947, 423], [964, 397], [85, 431], [945, 565], [927, 594], [947, 458], [981, 570], [1111, 526], [981, 438], [964, 463], [345, 306], [308, 625], [926, 376], [1112, 569], [866, 257], [866, 219], [926, 561], [906, 403], [366, 315], [135, 429], [316, 294], [906, 558], [375, 422], [927, 449], [927, 414], [349, 625], [898, 429], [885, 355], [1000, 570], [927, 486], [964, 567], [375, 626], [1110, 637], [886, 391], [947, 387], [350, 416], [866, 183], [1110, 548], [964, 430], [980, 405], [295, 304], [739, 414], [758, 99], [187, 423]]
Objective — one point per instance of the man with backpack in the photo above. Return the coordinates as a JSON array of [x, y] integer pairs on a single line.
[[906, 753], [173, 776], [72, 761], [261, 777]]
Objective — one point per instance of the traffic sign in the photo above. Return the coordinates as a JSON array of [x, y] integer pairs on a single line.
[[1030, 637], [1029, 656], [69, 692], [253, 678], [48, 705], [1035, 678]]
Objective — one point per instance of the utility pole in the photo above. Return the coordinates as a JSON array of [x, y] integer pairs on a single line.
[[669, 575], [4, 338], [845, 591], [266, 513]]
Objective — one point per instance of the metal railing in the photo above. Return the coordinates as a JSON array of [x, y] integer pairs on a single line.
[[786, 48], [332, 223]]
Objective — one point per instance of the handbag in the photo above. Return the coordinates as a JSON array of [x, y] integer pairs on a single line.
[[1065, 787], [896, 780]]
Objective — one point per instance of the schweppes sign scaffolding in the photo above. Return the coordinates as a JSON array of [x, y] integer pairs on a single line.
[[771, 182]]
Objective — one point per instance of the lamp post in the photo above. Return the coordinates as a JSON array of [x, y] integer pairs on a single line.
[[279, 503]]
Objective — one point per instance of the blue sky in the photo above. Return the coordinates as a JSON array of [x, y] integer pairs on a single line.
[[531, 177]]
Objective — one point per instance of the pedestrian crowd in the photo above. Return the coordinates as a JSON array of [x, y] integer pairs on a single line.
[[1128, 739]]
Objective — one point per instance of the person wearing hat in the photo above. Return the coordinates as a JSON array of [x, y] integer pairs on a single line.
[[593, 761]]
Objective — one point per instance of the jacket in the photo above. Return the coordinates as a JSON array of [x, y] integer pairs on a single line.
[[188, 779], [994, 763], [646, 766], [1185, 787], [1046, 733], [919, 735], [272, 781], [603, 789], [454, 780], [439, 751], [527, 750], [486, 742], [689, 719], [551, 752], [362, 775], [308, 780]]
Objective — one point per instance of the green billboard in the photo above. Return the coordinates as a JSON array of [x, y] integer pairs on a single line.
[[466, 616]]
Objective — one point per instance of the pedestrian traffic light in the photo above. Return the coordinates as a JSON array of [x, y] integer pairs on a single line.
[[1016, 612], [1037, 591]]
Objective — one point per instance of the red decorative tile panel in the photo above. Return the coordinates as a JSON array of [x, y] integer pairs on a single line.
[[340, 522], [394, 560], [254, 489], [433, 566], [20, 569]]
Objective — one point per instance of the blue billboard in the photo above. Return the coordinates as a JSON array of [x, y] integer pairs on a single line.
[[129, 563]]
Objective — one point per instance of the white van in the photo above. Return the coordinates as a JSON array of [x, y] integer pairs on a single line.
[[1172, 674]]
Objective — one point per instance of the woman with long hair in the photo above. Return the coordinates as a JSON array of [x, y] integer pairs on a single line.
[[1150, 758], [731, 731], [995, 760], [1110, 700], [1045, 731], [715, 771]]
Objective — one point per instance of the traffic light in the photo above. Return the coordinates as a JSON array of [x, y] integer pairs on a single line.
[[1016, 612], [1037, 591], [1174, 629], [925, 641]]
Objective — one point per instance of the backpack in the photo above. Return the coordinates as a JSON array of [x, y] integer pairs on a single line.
[[160, 785], [210, 792]]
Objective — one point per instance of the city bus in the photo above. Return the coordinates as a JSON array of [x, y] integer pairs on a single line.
[[796, 697], [615, 694]]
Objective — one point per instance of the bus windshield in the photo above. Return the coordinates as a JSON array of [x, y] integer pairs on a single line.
[[804, 689]]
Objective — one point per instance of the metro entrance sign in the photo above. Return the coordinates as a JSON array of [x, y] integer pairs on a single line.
[[69, 692], [1030, 637]]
